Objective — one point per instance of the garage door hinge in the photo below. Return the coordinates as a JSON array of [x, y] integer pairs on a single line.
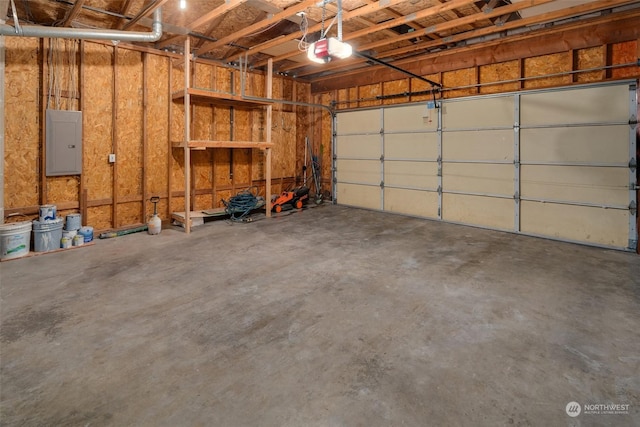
[[633, 164], [439, 189], [633, 121], [382, 157], [381, 184], [516, 196], [633, 207], [633, 245]]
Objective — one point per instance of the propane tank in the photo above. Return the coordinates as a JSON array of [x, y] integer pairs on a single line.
[[154, 226]]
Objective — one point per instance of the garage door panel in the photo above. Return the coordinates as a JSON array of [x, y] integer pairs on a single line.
[[580, 223], [361, 146], [411, 146], [361, 171], [478, 145], [365, 121], [586, 105], [411, 174], [410, 118], [595, 144], [484, 211], [598, 185], [411, 202], [358, 195], [478, 113], [478, 178]]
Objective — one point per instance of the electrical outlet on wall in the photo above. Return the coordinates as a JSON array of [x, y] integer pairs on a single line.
[[112, 158]]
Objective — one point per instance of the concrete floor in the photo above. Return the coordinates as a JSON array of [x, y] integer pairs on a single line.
[[326, 317]]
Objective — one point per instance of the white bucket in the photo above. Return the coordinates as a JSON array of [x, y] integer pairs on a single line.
[[78, 240], [47, 235], [15, 239], [69, 234], [74, 222], [47, 213]]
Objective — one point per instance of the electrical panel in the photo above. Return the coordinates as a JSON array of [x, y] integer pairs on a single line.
[[64, 143]]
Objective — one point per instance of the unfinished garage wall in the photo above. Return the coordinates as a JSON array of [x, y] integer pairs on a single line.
[[125, 96]]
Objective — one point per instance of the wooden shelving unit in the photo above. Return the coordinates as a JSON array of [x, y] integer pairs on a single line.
[[203, 96]]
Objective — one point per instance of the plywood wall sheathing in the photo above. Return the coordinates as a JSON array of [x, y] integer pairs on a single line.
[[129, 136], [547, 64], [502, 71], [21, 186], [395, 87], [157, 130], [223, 79], [368, 92], [63, 188], [97, 93], [302, 125], [99, 217], [589, 58], [624, 53], [418, 85], [203, 201], [284, 150], [324, 146], [457, 78]]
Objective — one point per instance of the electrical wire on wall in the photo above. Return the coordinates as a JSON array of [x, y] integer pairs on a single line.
[[62, 62]]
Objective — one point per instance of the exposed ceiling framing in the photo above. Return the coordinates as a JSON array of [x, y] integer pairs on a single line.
[[393, 31]]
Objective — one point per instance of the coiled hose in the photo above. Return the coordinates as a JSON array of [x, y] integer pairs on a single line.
[[241, 205]]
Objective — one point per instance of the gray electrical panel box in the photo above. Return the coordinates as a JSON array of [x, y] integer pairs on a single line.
[[64, 142]]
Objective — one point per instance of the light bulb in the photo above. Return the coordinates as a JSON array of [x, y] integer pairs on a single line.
[[183, 4]]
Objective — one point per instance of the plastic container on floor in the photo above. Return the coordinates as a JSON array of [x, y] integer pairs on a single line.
[[15, 239], [47, 235]]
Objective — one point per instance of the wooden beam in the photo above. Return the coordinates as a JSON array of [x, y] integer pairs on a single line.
[[146, 11], [126, 7], [594, 32], [82, 190], [145, 138], [267, 188], [436, 28], [290, 11], [559, 14], [393, 23], [114, 140], [169, 147], [346, 17], [219, 11], [365, 22], [73, 13], [395, 14], [187, 134]]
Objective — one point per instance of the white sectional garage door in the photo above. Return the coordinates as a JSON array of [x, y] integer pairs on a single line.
[[554, 163]]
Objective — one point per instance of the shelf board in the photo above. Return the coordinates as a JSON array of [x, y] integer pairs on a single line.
[[218, 98], [202, 144]]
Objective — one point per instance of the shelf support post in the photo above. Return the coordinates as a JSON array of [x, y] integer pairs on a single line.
[[187, 136], [267, 191]]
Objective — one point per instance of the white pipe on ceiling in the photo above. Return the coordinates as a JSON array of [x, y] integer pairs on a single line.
[[87, 34]]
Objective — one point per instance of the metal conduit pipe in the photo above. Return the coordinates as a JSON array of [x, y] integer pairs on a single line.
[[87, 34]]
